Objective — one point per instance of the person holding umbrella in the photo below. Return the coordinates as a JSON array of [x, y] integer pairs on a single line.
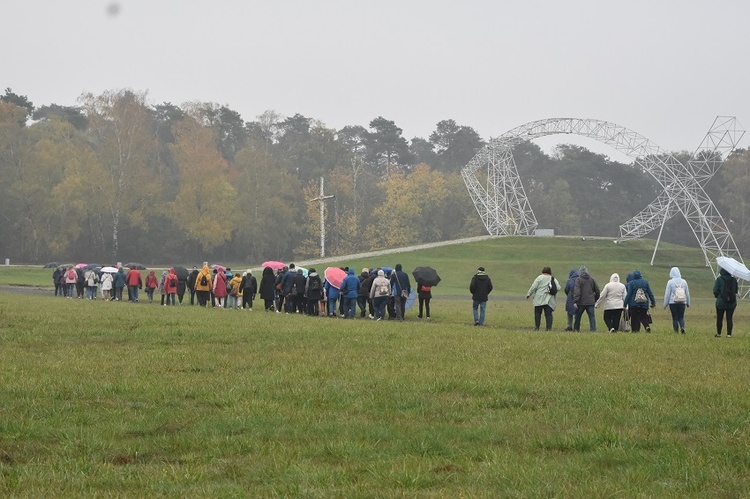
[[725, 291], [426, 278]]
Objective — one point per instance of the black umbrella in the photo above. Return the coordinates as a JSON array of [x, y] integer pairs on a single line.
[[51, 265], [137, 266], [426, 275], [181, 272]]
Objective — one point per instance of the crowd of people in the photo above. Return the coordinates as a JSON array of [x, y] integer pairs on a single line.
[[380, 293], [625, 306], [377, 293]]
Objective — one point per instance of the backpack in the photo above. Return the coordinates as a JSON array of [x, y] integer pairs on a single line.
[[679, 294], [204, 281], [640, 296], [730, 290], [383, 290], [72, 275], [425, 289], [314, 284], [552, 288]]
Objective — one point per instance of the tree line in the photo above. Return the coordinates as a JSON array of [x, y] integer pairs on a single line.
[[116, 178]]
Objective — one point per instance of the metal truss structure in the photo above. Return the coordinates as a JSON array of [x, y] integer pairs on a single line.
[[505, 210]]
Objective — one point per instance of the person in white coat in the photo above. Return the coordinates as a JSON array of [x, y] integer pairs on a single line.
[[677, 296], [544, 297], [611, 299]]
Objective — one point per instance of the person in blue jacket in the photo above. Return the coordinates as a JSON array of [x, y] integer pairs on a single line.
[[120, 278], [349, 292], [332, 293], [639, 309]]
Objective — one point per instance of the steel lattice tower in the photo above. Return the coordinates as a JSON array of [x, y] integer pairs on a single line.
[[502, 204]]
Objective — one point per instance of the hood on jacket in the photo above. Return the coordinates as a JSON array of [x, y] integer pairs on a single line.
[[636, 274], [171, 270], [205, 269], [583, 271], [674, 273], [572, 274], [267, 271], [150, 272], [351, 272], [398, 267], [723, 272], [614, 277]]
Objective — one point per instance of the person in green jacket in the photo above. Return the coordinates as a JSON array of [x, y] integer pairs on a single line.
[[725, 291]]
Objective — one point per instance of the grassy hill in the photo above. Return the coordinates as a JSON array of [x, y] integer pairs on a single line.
[[117, 399]]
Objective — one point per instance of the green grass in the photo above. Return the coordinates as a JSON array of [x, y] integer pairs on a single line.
[[141, 400]]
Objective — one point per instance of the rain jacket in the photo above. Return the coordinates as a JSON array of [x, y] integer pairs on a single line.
[[350, 286], [722, 281], [170, 283], [267, 284], [569, 286], [613, 294], [120, 278], [676, 279], [235, 282], [151, 282], [586, 290], [540, 291], [134, 278], [220, 285], [632, 287], [204, 272]]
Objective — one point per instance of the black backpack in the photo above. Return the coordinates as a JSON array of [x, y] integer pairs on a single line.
[[314, 284], [204, 281], [552, 286]]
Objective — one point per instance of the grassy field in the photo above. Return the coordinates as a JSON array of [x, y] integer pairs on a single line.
[[140, 400]]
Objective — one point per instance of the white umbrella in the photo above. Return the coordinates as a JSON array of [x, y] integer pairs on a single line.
[[109, 270], [737, 269]]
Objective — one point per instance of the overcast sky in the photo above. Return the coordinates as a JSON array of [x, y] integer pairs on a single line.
[[664, 68]]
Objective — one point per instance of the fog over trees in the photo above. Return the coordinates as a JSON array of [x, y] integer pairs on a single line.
[[117, 178]]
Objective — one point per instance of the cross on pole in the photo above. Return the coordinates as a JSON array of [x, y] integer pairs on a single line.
[[322, 199]]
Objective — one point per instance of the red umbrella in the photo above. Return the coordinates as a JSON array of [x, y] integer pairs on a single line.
[[218, 267], [335, 276], [273, 264]]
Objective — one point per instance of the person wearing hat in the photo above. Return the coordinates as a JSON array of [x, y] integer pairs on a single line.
[[380, 291], [480, 289]]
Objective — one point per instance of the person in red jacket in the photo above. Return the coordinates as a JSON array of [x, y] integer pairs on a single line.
[[220, 288], [151, 284], [134, 282], [170, 286]]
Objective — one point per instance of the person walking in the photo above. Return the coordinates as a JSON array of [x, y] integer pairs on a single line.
[[424, 295], [380, 291], [637, 302], [349, 291], [585, 294], [203, 286], [677, 297], [170, 286], [313, 292], [220, 288], [544, 288], [191, 284], [613, 300], [570, 310], [249, 287], [151, 285], [235, 292], [480, 288], [107, 281], [402, 290], [134, 283], [267, 288], [725, 291], [119, 284]]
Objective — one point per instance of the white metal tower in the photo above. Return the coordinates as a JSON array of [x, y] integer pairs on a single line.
[[495, 187]]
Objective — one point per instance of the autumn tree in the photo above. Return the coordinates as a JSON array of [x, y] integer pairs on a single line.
[[120, 131], [199, 208]]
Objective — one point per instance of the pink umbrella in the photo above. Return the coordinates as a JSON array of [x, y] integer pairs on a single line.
[[218, 267], [273, 264], [335, 276], [81, 265]]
